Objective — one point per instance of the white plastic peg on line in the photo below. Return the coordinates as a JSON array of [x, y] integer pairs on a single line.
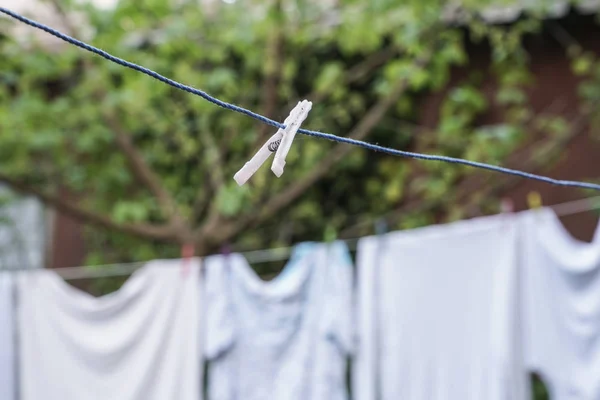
[[263, 153], [272, 145], [259, 159], [296, 119]]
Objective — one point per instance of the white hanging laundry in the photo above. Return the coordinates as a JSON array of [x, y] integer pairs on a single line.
[[561, 297], [438, 314], [139, 343], [8, 374], [287, 339]]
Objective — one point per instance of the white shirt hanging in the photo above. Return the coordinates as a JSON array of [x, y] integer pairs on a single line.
[[139, 343], [438, 314], [8, 374], [561, 298], [287, 339]]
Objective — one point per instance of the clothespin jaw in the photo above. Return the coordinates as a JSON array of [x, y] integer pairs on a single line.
[[299, 115], [534, 200], [280, 144], [250, 168]]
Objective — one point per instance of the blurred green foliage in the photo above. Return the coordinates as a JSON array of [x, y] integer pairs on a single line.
[[54, 130]]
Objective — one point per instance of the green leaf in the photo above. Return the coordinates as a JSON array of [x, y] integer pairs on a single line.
[[330, 76], [128, 211], [231, 199], [511, 96], [582, 65]]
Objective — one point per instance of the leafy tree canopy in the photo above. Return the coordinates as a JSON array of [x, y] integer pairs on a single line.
[[152, 166]]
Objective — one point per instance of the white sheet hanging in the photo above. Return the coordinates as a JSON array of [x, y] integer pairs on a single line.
[[139, 343], [438, 314], [7, 340], [287, 339], [562, 306]]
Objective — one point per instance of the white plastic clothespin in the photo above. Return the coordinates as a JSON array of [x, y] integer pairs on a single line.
[[302, 110], [280, 144]]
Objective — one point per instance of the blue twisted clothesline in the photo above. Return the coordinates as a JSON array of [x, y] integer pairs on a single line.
[[233, 107]]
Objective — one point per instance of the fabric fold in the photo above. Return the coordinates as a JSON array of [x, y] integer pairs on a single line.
[[141, 342], [8, 374], [286, 339], [438, 315], [561, 306]]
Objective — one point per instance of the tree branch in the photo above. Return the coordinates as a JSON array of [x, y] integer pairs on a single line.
[[362, 129], [60, 10], [519, 159], [273, 66], [362, 69], [288, 195], [482, 184], [216, 172], [154, 232], [524, 160], [142, 171], [358, 71]]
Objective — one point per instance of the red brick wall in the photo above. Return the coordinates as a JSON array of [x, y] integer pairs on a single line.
[[68, 246]]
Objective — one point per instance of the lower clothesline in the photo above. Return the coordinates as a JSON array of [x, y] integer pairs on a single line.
[[266, 255]]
